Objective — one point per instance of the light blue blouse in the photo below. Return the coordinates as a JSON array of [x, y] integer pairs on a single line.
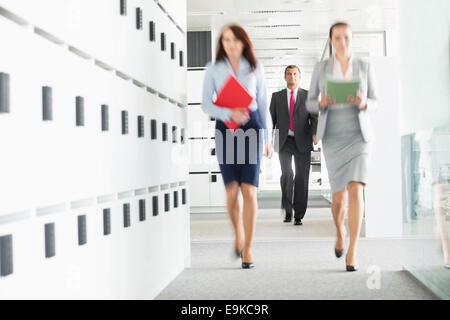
[[253, 81]]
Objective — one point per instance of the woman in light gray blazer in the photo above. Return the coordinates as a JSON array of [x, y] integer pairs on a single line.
[[346, 135]]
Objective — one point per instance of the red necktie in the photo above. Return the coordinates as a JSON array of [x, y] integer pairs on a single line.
[[291, 112]]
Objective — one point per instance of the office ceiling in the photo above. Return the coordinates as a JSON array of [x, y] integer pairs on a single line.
[[295, 31]]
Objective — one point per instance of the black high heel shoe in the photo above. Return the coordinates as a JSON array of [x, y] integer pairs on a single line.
[[338, 253], [237, 252], [350, 268], [247, 265]]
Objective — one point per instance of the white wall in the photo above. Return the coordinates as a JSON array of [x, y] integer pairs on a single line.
[[424, 64], [47, 167], [383, 216], [413, 90]]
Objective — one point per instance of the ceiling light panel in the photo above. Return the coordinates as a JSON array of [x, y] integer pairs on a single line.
[[276, 38], [271, 11], [266, 26]]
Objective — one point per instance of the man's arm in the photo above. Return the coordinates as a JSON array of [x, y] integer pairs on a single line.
[[273, 112], [313, 119]]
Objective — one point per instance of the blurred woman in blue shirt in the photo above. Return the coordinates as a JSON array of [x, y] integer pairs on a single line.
[[240, 167]]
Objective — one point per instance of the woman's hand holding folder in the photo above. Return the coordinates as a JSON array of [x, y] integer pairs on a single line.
[[235, 97], [240, 115], [326, 101], [358, 101]]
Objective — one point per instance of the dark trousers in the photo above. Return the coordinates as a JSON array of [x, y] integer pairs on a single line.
[[298, 186]]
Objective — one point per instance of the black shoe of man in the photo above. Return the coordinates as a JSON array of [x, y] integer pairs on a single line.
[[288, 218]]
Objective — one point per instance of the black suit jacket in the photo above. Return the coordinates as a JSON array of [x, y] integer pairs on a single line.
[[305, 123]]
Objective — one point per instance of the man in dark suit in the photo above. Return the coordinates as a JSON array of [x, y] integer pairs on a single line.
[[294, 133]]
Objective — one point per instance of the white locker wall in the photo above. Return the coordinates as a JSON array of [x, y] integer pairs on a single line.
[[54, 171], [203, 165], [113, 38]]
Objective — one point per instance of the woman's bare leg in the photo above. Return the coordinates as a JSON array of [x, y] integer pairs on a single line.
[[234, 212], [249, 216], [441, 198], [338, 206], [355, 216]]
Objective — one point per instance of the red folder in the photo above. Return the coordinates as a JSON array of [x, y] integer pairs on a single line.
[[232, 96]]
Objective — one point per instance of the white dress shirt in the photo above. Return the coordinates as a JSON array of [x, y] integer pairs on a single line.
[[337, 72], [291, 133]]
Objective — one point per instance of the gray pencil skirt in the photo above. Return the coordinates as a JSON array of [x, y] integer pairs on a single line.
[[346, 153]]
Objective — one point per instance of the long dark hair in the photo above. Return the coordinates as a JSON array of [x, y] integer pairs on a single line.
[[242, 35]]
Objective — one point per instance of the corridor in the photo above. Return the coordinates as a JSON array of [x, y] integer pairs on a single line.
[[293, 262]]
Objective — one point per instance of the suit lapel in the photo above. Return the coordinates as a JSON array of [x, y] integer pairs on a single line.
[[357, 76], [355, 66], [326, 74], [284, 103], [297, 100], [330, 67]]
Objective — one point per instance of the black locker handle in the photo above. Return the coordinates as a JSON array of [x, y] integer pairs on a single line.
[[4, 93], [172, 50], [106, 221], [152, 31], [124, 122], [142, 210], [47, 104], [123, 7], [49, 240], [6, 255], [79, 111], [105, 117], [138, 18], [181, 59]]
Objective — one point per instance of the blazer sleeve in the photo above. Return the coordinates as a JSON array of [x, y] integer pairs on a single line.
[[261, 100], [371, 90], [209, 89], [313, 118], [312, 102]]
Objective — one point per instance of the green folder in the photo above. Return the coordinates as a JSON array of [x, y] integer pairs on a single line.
[[340, 90]]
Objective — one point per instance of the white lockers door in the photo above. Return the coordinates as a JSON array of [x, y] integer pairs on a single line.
[[204, 171], [52, 172]]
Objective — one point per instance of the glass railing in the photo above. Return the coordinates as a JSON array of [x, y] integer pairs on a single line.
[[426, 206]]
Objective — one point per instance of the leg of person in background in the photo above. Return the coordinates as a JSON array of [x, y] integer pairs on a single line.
[[249, 216], [286, 182], [355, 216], [338, 204], [441, 202], [234, 211], [302, 167]]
